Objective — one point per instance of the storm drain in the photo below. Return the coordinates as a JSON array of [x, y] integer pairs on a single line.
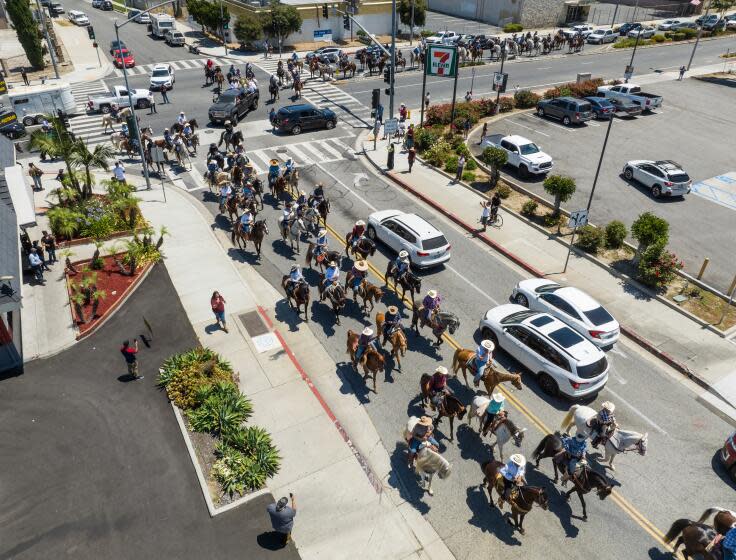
[[253, 323]]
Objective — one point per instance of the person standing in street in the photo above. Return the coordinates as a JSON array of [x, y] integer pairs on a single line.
[[411, 156], [49, 244], [282, 517], [35, 174], [24, 76], [379, 113], [217, 302], [390, 161], [682, 72], [484, 133], [152, 102], [164, 95], [130, 353], [460, 169]]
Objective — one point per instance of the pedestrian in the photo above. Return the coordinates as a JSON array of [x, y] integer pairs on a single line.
[[409, 140], [485, 215], [266, 48], [466, 128], [379, 113], [426, 101], [376, 128], [35, 174], [152, 102], [36, 265], [391, 150], [61, 176], [282, 517], [130, 354], [217, 302], [469, 97], [119, 172], [24, 76], [49, 244], [411, 156], [460, 168], [484, 133], [164, 95], [682, 72], [39, 251]]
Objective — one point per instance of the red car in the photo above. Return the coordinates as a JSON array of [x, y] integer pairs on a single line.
[[123, 55], [728, 455]]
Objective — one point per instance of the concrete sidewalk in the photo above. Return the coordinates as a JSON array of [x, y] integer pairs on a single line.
[[660, 329], [87, 66], [332, 457]]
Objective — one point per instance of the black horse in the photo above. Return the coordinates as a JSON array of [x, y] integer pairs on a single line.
[[408, 281]]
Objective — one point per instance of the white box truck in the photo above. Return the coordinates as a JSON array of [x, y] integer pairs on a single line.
[[161, 24], [33, 103]]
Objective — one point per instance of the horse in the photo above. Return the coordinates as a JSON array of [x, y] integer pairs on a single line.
[[427, 462], [444, 320], [258, 231], [348, 66], [723, 521], [363, 248], [313, 67], [292, 229], [300, 295], [232, 138], [397, 340], [371, 360], [491, 376], [369, 293], [335, 294], [273, 90], [451, 406], [325, 258], [697, 538], [326, 71], [323, 208], [619, 441], [401, 62], [505, 431], [409, 281], [298, 87], [176, 128], [311, 219], [107, 122], [231, 205], [256, 185], [278, 187], [521, 501]]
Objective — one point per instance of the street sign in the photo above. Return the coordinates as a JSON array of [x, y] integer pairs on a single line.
[[157, 154], [390, 126], [578, 219], [499, 81], [442, 61], [323, 35]]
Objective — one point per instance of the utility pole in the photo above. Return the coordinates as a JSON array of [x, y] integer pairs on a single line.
[[411, 33], [222, 27], [697, 39], [52, 53], [498, 90], [393, 57]]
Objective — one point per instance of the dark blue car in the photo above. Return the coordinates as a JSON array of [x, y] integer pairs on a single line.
[[602, 108]]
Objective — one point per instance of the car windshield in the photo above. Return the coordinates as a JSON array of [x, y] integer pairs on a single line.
[[123, 53], [228, 96], [598, 316], [160, 73], [434, 242], [679, 177], [565, 337], [528, 149], [593, 370], [518, 317]]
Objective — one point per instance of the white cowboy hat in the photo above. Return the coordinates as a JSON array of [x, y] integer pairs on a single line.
[[361, 265], [294, 267], [360, 223], [181, 113], [333, 263], [367, 331], [249, 164], [498, 397], [425, 421], [226, 122], [488, 345], [403, 254], [609, 406], [518, 459], [321, 232], [303, 193], [432, 293], [393, 309], [441, 369]]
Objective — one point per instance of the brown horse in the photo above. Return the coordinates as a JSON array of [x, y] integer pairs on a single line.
[[348, 67], [323, 208], [521, 502], [491, 377], [336, 295], [278, 188], [451, 406], [300, 295], [298, 87], [313, 67], [397, 340], [697, 538], [371, 360], [369, 293], [321, 262], [256, 235], [409, 281]]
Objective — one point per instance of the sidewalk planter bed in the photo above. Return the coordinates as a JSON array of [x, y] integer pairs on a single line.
[[575, 89], [235, 459]]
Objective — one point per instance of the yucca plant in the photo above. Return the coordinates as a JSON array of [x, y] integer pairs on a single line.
[[77, 300], [97, 262], [97, 297]]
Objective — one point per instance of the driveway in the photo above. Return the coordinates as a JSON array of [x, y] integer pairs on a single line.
[[94, 466]]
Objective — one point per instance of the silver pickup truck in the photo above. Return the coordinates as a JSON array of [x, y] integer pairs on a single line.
[[632, 92]]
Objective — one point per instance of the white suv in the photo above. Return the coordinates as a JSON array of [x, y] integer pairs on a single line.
[[573, 306], [662, 178], [563, 361], [162, 75], [426, 245]]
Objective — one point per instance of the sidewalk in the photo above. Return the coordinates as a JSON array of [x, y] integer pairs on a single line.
[[332, 457], [87, 67], [661, 330]]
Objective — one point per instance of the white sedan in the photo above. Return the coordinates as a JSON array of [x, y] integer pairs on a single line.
[[571, 305]]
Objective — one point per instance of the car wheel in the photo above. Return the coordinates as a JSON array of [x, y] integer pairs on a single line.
[[372, 233], [104, 109], [254, 105], [521, 299], [29, 121], [629, 174], [540, 112], [566, 121], [330, 125], [656, 191], [39, 119], [524, 171], [141, 104], [296, 130], [548, 385]]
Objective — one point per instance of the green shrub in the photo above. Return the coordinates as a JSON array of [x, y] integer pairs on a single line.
[[187, 376], [529, 208], [503, 190], [649, 229], [525, 99], [658, 266], [496, 158], [451, 164], [237, 471], [551, 220], [222, 409], [513, 28], [552, 93], [659, 38], [615, 234], [361, 33], [426, 33], [424, 138], [679, 36], [470, 164], [668, 34], [438, 153], [505, 104], [468, 175], [590, 238], [688, 33]]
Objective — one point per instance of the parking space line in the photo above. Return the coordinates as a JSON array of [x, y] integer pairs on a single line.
[[529, 128]]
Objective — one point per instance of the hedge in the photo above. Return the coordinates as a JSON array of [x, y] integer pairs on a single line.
[[574, 89], [513, 28], [475, 110]]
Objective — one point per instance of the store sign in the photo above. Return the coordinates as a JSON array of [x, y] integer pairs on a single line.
[[323, 35], [442, 61]]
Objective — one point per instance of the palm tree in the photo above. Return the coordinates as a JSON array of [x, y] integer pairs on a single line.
[[59, 143], [97, 297], [82, 158], [163, 231]]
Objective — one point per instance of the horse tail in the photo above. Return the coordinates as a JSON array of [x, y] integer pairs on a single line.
[[677, 528], [537, 454], [308, 259], [710, 511], [567, 421]]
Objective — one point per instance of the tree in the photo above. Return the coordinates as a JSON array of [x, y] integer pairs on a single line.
[[57, 143], [649, 229], [27, 30], [248, 29], [420, 12], [280, 21], [82, 158], [561, 187], [207, 14], [721, 6], [496, 158]]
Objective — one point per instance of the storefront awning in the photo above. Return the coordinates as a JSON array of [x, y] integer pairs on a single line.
[[21, 195]]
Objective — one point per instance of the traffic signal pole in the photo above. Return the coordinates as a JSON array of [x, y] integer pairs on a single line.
[[393, 57]]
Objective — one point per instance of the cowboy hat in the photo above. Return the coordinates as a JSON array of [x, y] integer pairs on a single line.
[[432, 293], [518, 459], [303, 193], [249, 164], [274, 162], [367, 331], [441, 369], [361, 265], [321, 232], [294, 267], [403, 254], [393, 309], [609, 406], [425, 421], [498, 397], [333, 263], [360, 223], [488, 345]]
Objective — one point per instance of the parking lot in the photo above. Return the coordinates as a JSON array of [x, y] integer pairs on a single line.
[[695, 128]]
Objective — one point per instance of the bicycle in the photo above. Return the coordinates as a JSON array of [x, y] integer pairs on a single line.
[[494, 220]]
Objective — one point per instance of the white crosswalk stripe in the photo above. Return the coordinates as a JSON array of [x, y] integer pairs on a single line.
[[84, 125], [179, 65], [303, 153]]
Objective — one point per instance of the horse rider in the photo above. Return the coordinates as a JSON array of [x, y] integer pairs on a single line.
[[357, 233], [210, 64], [289, 167], [320, 247], [294, 57], [438, 388], [226, 192], [391, 321], [431, 306], [187, 130], [513, 475], [401, 265], [478, 363], [573, 450], [302, 200], [246, 222], [181, 119], [318, 195], [227, 132], [114, 111], [402, 112], [602, 424], [367, 338], [240, 158], [287, 215], [332, 277], [495, 414], [274, 170], [295, 278], [248, 170], [124, 132], [358, 274], [273, 82], [421, 437], [168, 139]]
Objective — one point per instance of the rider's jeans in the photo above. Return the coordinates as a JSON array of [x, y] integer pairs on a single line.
[[479, 367]]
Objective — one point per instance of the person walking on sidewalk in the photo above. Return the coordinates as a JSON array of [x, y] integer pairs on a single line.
[[682, 72], [484, 133], [426, 101], [460, 169], [411, 156], [35, 174], [131, 358], [24, 76], [282, 517], [49, 244], [466, 128], [217, 302], [391, 150]]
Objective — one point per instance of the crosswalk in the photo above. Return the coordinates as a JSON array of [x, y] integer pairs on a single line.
[[83, 125], [303, 153], [178, 65]]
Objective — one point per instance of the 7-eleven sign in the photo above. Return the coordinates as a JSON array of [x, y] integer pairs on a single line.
[[442, 61]]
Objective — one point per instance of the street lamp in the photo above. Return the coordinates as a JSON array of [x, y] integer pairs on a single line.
[[222, 26], [697, 39]]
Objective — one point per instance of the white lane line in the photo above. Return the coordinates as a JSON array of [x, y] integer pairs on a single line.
[[329, 149], [544, 68], [306, 160], [316, 154], [262, 156], [469, 283], [637, 411], [585, 63]]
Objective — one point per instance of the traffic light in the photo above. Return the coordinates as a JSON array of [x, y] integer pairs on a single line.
[[387, 91], [225, 24], [376, 98], [91, 32], [346, 21], [324, 11], [387, 75]]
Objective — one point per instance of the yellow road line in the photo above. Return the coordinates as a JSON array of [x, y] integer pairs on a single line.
[[622, 502]]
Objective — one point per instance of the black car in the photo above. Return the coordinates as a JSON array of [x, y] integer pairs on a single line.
[[106, 5], [296, 118], [10, 126], [626, 27], [232, 104]]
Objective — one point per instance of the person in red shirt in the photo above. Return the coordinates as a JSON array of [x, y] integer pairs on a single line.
[[218, 308], [130, 354]]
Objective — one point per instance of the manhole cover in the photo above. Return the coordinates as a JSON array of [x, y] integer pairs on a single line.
[[281, 150], [253, 323]]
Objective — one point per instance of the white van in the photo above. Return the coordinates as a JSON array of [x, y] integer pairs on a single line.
[[78, 18], [33, 103]]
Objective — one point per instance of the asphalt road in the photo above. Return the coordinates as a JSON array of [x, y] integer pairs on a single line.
[[94, 465], [683, 436]]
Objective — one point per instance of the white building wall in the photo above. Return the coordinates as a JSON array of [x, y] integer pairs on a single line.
[[379, 24]]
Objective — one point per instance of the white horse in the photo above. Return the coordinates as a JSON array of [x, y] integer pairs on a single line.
[[428, 462], [620, 441], [293, 232], [504, 432]]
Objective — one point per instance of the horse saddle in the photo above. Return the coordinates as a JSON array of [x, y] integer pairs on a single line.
[[500, 487]]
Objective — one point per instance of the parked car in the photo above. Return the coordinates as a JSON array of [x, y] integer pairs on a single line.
[[711, 22], [119, 95], [571, 305], [116, 45], [728, 455], [583, 30], [441, 38], [600, 36], [298, 118], [10, 126], [95, 3], [325, 54], [602, 108], [138, 16], [174, 38], [632, 92], [626, 27], [521, 153], [731, 21], [563, 362], [123, 56], [162, 75], [668, 24], [685, 25], [625, 107], [643, 32], [106, 5], [662, 178], [569, 110], [55, 9], [427, 246], [464, 40], [78, 18], [232, 104]]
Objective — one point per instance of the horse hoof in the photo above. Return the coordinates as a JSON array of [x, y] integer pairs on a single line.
[[430, 492], [521, 531]]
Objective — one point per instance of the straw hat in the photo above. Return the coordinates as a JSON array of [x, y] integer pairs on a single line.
[[432, 293], [488, 345], [360, 223], [609, 406], [441, 369], [321, 232], [249, 164], [518, 459], [361, 265], [274, 162], [393, 309], [498, 397], [367, 331], [425, 421], [580, 436], [333, 263]]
